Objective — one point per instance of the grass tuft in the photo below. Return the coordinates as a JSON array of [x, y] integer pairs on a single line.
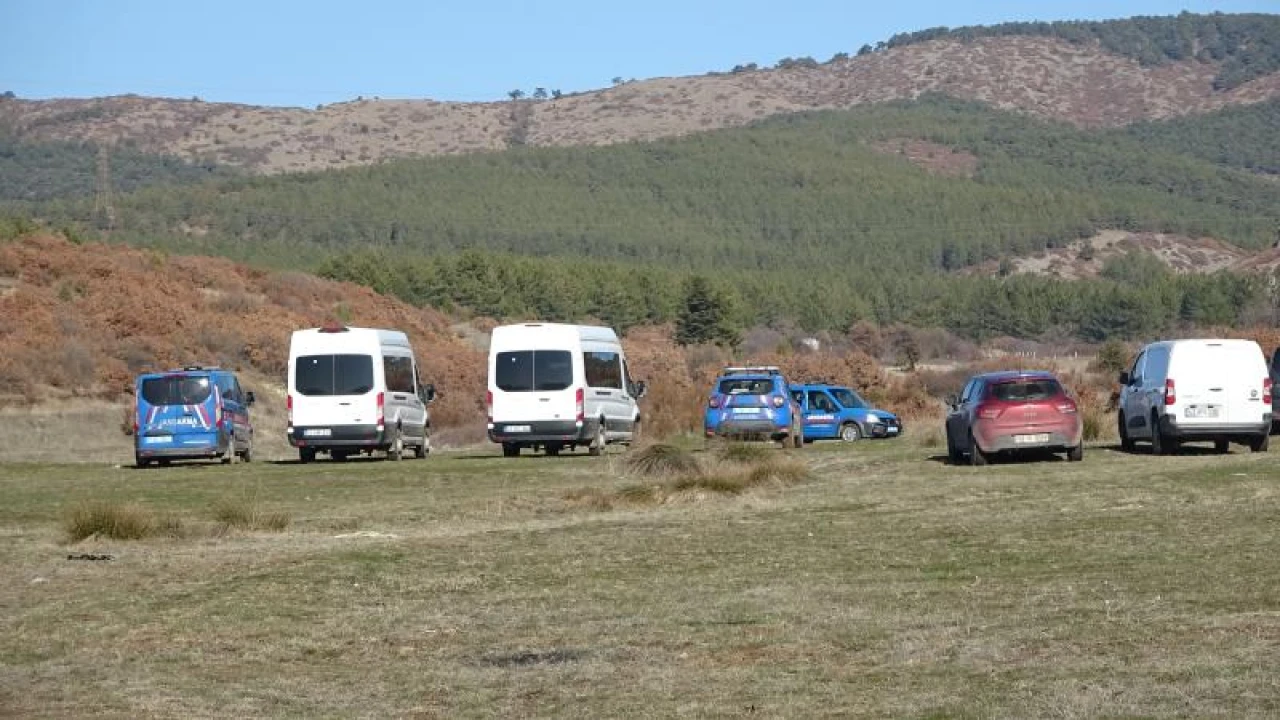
[[663, 459], [780, 472], [116, 521], [743, 452], [246, 515], [931, 439], [1091, 423]]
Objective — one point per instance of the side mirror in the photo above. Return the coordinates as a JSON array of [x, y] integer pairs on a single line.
[[427, 392], [1124, 377], [249, 399], [952, 401], [641, 387]]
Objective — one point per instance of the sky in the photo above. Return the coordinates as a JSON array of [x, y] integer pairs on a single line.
[[301, 54]]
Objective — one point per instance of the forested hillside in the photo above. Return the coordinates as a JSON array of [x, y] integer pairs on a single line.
[[1248, 45], [812, 219], [1243, 137]]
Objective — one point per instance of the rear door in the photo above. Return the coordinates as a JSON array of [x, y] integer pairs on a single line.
[[176, 408], [1217, 383], [532, 386], [333, 390]]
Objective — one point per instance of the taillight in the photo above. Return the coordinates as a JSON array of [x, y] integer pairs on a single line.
[[488, 405], [778, 401], [989, 412], [1170, 397], [580, 399], [1267, 389], [713, 402], [382, 400], [217, 411], [1067, 407], [289, 404]]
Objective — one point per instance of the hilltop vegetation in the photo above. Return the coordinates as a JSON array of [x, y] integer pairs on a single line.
[[812, 219], [1247, 45]]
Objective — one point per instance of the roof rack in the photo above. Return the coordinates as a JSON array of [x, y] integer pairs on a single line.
[[752, 370]]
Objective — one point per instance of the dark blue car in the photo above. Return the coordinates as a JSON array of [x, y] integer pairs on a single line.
[[191, 413], [836, 412]]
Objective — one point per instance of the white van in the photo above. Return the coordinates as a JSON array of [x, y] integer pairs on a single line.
[[356, 390], [1196, 390], [555, 386]]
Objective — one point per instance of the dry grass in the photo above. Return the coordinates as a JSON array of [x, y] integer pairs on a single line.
[[247, 514], [865, 580], [116, 521], [662, 459]]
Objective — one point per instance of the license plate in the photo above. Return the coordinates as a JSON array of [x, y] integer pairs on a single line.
[[746, 411], [893, 431], [1031, 439], [156, 439], [518, 428], [1202, 411], [317, 432]]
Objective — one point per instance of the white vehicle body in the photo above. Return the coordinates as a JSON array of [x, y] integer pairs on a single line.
[[356, 390], [555, 386], [1188, 390]]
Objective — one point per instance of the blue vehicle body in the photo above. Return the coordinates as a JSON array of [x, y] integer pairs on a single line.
[[837, 412], [752, 402], [191, 413]]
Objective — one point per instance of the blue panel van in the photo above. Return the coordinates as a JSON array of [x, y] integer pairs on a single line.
[[191, 413]]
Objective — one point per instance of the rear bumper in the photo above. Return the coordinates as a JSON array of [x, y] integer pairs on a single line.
[[748, 428], [322, 437], [993, 438], [1215, 430], [543, 431], [191, 446]]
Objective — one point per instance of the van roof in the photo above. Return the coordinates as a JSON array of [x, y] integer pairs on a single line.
[[583, 333]]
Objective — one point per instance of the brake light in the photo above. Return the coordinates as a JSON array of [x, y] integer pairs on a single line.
[[778, 401], [488, 405], [1267, 389], [713, 402], [289, 405], [1067, 407], [580, 399], [382, 400], [1170, 396], [989, 412]]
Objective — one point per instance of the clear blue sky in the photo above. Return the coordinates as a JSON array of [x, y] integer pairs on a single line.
[[285, 52]]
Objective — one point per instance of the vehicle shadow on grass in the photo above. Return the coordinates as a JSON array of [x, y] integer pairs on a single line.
[[1025, 458]]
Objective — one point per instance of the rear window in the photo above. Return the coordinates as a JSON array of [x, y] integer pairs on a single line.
[[746, 386], [1025, 390], [533, 370], [176, 390], [323, 375]]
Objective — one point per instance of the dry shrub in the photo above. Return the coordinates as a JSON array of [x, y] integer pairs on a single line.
[[777, 471], [116, 521], [663, 459], [246, 514], [744, 452]]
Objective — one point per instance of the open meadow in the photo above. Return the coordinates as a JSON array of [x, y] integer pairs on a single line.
[[868, 579]]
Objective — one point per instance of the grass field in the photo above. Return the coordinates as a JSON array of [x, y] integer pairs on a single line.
[[882, 583]]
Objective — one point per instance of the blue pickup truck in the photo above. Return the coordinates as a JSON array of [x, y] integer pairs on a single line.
[[836, 412]]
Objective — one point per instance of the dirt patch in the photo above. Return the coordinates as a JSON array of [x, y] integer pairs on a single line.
[[1086, 258]]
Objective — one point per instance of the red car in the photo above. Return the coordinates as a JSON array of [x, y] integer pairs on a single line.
[[1014, 411]]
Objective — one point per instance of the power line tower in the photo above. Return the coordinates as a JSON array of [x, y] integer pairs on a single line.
[[104, 208]]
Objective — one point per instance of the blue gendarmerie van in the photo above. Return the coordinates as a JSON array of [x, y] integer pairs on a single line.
[[191, 413]]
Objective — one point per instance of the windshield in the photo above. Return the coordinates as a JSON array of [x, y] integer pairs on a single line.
[[323, 375], [849, 399], [176, 390], [1026, 390], [533, 370]]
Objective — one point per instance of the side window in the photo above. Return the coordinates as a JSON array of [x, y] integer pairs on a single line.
[[236, 392], [226, 386], [819, 401], [603, 369], [968, 390], [399, 373], [1138, 364]]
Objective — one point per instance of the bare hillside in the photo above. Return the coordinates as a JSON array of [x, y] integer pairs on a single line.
[[1044, 77]]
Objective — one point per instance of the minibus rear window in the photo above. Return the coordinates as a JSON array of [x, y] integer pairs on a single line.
[[176, 390], [324, 375], [533, 370]]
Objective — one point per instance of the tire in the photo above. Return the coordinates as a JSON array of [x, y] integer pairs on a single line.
[[1076, 454], [420, 451], [1260, 443], [850, 432], [247, 455], [140, 462], [1126, 442], [552, 449], [1161, 444], [976, 457], [635, 434], [953, 455], [596, 448], [306, 455], [338, 455], [1222, 447], [510, 450], [395, 451]]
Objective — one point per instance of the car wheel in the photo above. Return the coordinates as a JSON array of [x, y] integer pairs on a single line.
[[1126, 442], [140, 461], [1222, 446], [552, 449], [1076, 454], [598, 442], [420, 451], [306, 455], [953, 455], [1260, 443], [338, 455], [247, 455], [1161, 444], [510, 450], [396, 450], [976, 456], [850, 432]]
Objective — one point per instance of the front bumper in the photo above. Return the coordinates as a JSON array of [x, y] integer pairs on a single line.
[[885, 429]]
